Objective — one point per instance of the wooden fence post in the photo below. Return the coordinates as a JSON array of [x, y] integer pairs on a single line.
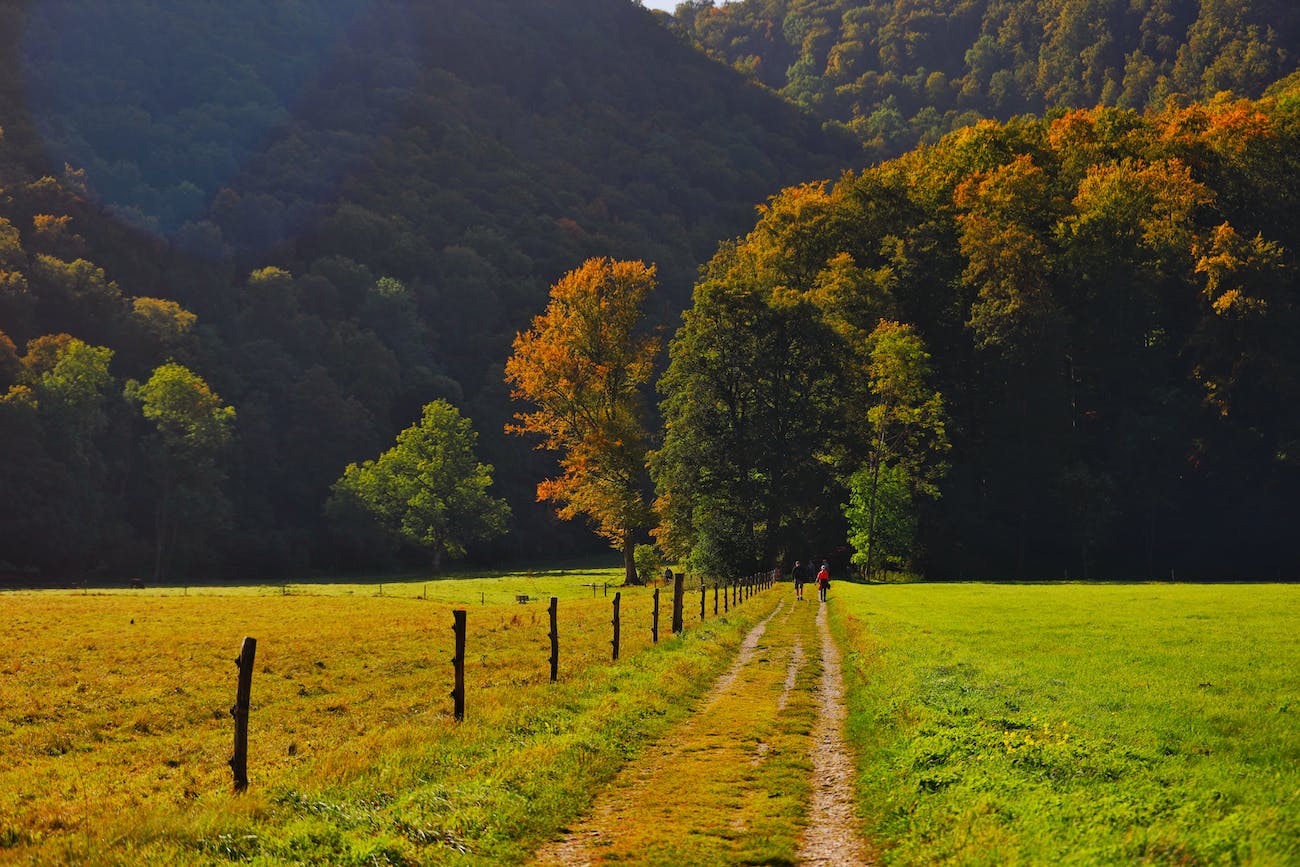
[[678, 590], [555, 641], [458, 663], [702, 592], [654, 623], [715, 598], [616, 625], [726, 596], [243, 693]]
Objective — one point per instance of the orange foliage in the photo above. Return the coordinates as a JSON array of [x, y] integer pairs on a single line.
[[582, 366]]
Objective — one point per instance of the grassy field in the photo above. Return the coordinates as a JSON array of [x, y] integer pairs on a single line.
[[995, 724], [115, 726], [1076, 724]]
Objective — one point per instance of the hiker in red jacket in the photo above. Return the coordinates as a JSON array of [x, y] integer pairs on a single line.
[[823, 581]]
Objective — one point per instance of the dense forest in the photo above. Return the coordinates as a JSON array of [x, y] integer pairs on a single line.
[[333, 213], [902, 72], [1061, 347], [243, 245]]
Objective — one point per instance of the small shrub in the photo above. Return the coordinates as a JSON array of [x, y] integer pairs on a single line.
[[647, 562]]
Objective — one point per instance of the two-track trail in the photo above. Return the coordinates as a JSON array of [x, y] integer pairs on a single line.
[[758, 773]]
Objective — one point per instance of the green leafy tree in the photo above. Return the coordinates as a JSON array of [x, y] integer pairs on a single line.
[[428, 490], [56, 471], [750, 410], [881, 516], [908, 439], [191, 430]]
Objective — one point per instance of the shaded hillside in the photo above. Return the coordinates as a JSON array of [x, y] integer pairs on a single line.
[[413, 175], [901, 72]]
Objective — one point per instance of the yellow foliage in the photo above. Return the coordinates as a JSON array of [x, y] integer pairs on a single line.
[[582, 366]]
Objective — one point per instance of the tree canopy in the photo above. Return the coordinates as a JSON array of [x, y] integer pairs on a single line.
[[429, 490], [333, 237], [337, 235], [1102, 297], [582, 367], [901, 73]]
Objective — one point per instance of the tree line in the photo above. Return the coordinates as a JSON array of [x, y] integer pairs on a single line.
[[902, 73], [1057, 347], [336, 236], [1050, 345]]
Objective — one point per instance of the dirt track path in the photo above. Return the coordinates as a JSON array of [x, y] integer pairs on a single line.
[[831, 836], [761, 758]]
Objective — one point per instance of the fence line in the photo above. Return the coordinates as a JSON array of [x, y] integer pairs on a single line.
[[738, 588]]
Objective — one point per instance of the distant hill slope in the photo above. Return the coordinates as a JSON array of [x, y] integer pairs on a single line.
[[905, 71], [571, 125], [470, 153]]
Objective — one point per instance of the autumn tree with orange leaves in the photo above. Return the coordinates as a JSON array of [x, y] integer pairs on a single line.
[[583, 366]]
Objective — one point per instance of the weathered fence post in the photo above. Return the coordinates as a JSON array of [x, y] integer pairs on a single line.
[[715, 598], [726, 596], [458, 663], [243, 693], [702, 592], [555, 641], [678, 590], [654, 623], [615, 622]]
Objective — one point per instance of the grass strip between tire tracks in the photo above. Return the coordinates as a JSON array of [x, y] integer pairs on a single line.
[[729, 785]]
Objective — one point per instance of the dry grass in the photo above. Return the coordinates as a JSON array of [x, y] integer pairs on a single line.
[[115, 726]]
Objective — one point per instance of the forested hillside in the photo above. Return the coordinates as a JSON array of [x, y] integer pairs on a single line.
[[901, 72], [1098, 311], [242, 245], [330, 213]]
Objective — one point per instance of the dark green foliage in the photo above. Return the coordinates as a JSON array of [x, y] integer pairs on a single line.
[[362, 201], [899, 73], [1107, 316], [428, 491], [335, 234], [184, 455]]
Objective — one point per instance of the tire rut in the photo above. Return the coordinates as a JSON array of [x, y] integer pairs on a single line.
[[831, 836], [575, 850]]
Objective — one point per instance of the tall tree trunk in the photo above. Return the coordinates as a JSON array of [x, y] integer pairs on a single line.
[[873, 502]]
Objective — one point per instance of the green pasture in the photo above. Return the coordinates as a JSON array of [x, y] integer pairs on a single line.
[[1076, 724]]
